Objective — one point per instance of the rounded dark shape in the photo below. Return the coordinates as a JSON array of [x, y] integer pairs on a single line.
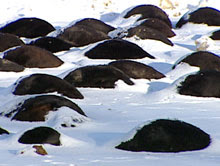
[[52, 44], [32, 57], [215, 35], [100, 76], [201, 84], [159, 25], [36, 108], [167, 136], [204, 15], [144, 32], [81, 35], [117, 49], [41, 135], [8, 41], [96, 24], [149, 11], [137, 70], [3, 131], [9, 66], [203, 59], [28, 27], [44, 83]]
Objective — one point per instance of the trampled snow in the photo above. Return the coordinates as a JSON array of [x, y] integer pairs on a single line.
[[112, 114]]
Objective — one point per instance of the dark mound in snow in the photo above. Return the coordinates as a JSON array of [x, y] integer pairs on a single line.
[[44, 83], [137, 70], [159, 25], [28, 27], [3, 131], [100, 76], [203, 59], [149, 11], [9, 66], [52, 44], [36, 108], [144, 32], [167, 136], [41, 135], [33, 57], [82, 35], [204, 15], [8, 41], [96, 24], [201, 84], [117, 49]]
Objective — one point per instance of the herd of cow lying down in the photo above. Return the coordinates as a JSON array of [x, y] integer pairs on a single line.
[[44, 41]]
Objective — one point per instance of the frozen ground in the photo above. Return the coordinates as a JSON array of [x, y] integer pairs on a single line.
[[112, 113]]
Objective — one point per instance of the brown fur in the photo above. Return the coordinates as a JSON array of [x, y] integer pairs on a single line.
[[149, 11], [44, 83], [137, 70], [36, 108], [32, 57], [28, 27], [100, 76], [8, 41]]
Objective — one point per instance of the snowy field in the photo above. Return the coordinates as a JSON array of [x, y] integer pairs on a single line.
[[112, 113]]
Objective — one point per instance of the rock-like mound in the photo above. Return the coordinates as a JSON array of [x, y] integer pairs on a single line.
[[9, 66], [144, 32], [52, 44], [201, 84], [137, 70], [100, 76], [96, 24], [117, 49], [167, 136], [82, 35], [28, 27], [159, 25], [44, 83], [32, 57], [36, 108], [41, 135], [204, 15], [8, 41], [149, 11], [3, 131], [203, 59], [215, 35]]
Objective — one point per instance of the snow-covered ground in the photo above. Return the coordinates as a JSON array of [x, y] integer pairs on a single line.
[[113, 113]]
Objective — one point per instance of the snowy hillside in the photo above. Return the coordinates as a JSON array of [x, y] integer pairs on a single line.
[[112, 114]]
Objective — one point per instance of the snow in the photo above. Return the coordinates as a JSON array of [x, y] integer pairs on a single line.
[[112, 114]]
